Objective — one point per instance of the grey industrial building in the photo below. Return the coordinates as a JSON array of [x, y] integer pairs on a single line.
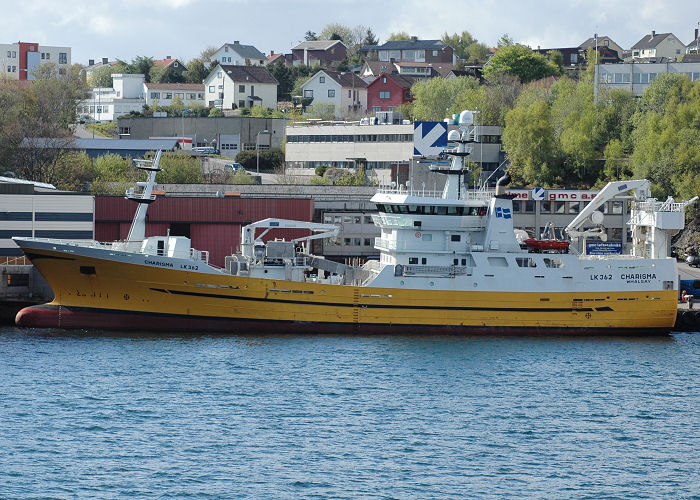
[[231, 134]]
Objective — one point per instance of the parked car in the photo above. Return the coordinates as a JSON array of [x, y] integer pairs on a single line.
[[205, 150], [234, 167]]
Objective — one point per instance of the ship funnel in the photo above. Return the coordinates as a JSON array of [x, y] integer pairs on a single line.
[[502, 183]]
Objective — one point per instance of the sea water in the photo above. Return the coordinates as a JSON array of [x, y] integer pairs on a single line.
[[103, 415]]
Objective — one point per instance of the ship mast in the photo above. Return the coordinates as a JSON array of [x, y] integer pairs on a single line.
[[463, 137], [137, 232]]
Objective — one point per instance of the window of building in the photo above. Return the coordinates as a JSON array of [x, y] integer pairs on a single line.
[[175, 64], [347, 241], [546, 207], [435, 53], [413, 260], [384, 79], [385, 94], [356, 242], [168, 95], [376, 108], [321, 79], [181, 95], [530, 207], [455, 237], [241, 104], [427, 237], [331, 93], [200, 95], [559, 207], [241, 89], [617, 207], [574, 207], [308, 93], [574, 58], [62, 58], [368, 242], [211, 88]]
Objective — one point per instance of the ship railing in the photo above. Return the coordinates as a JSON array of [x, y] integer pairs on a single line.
[[202, 255], [658, 206], [440, 271], [472, 194], [15, 261], [75, 243]]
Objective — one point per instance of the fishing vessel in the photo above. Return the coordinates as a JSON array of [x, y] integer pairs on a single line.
[[449, 262]]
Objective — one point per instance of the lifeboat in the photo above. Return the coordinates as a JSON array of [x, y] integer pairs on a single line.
[[547, 246]]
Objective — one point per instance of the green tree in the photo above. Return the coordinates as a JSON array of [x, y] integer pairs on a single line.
[[215, 113], [529, 141], [370, 38], [310, 36], [459, 43], [522, 62], [196, 72], [438, 98], [141, 65], [505, 41], [179, 168], [399, 35], [557, 58]]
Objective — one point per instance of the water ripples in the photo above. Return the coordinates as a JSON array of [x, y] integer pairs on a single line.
[[107, 415]]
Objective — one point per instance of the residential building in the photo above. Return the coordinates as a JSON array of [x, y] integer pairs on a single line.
[[18, 60], [694, 46], [345, 92], [173, 65], [321, 52], [602, 41], [571, 56], [413, 50], [107, 103], [230, 134], [92, 67], [232, 87], [372, 69], [636, 77], [657, 45], [388, 91], [164, 94], [423, 70], [237, 54]]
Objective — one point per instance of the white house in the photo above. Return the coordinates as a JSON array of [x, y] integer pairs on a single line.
[[346, 92], [108, 103], [237, 54], [164, 93], [659, 45], [231, 87]]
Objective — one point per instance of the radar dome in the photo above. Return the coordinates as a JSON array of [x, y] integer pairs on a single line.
[[453, 135]]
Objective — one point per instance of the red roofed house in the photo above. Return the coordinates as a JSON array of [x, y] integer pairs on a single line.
[[389, 91], [173, 66]]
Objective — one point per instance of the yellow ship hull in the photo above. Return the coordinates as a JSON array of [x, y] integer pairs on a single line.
[[120, 295]]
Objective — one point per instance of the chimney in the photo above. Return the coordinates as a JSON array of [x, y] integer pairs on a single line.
[[105, 60], [653, 33], [167, 57], [91, 62], [696, 34]]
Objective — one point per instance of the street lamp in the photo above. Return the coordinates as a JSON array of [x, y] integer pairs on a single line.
[[184, 112], [257, 149]]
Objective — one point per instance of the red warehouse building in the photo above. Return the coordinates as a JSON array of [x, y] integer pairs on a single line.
[[388, 91], [213, 224]]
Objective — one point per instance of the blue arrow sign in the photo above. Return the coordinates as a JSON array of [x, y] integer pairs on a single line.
[[538, 193], [429, 138]]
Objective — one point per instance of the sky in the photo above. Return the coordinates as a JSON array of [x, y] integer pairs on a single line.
[[183, 28]]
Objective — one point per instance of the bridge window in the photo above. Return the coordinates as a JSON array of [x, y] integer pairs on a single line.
[[456, 237], [525, 262]]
